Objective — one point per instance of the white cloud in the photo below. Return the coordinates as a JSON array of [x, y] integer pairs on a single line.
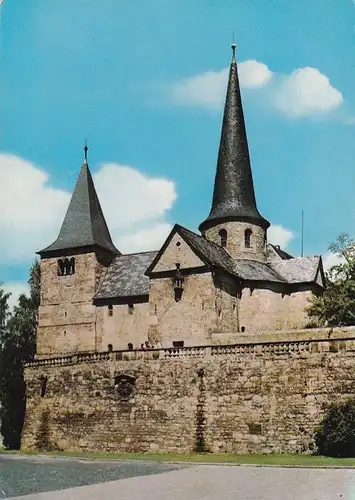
[[151, 238], [306, 91], [129, 197], [331, 259], [278, 235], [253, 74], [208, 89], [16, 288], [31, 211]]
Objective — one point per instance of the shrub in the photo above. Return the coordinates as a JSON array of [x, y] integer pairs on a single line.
[[335, 436]]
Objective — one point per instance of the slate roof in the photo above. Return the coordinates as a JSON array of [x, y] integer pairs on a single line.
[[210, 252], [84, 223], [256, 271], [125, 276], [233, 195], [279, 252], [297, 270]]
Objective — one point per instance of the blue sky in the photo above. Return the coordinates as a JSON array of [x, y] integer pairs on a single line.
[[107, 70]]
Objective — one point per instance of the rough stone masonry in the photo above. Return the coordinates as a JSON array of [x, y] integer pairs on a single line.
[[247, 398]]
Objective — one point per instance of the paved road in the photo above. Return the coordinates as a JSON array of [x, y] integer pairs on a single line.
[[165, 482], [23, 476]]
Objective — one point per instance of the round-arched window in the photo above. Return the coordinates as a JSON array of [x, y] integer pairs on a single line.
[[247, 238]]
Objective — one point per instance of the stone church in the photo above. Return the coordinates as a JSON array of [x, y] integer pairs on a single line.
[[215, 287]]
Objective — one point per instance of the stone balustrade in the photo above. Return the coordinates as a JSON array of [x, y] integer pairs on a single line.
[[241, 349]]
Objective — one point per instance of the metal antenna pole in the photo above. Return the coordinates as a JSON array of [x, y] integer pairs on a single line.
[[302, 234]]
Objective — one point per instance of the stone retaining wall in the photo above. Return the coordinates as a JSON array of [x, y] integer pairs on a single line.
[[252, 397]]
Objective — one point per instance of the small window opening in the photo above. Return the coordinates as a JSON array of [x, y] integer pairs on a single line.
[[219, 313], [155, 309], [178, 244], [66, 266], [130, 308], [247, 238], [65, 313], [110, 310], [178, 343], [203, 305], [223, 236], [109, 347], [43, 386], [130, 346], [242, 329], [178, 283]]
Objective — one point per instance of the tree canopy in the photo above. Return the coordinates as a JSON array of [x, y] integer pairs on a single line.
[[336, 307], [17, 347]]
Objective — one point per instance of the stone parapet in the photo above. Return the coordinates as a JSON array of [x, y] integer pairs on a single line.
[[255, 348]]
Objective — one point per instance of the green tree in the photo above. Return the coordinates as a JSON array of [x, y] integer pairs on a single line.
[[336, 306], [335, 436], [17, 348]]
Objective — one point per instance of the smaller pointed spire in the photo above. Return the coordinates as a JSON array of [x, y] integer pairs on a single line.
[[84, 224]]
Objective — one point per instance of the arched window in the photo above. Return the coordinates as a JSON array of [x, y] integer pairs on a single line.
[[60, 267], [247, 238], [223, 236]]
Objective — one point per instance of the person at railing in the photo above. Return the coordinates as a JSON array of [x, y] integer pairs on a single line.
[[142, 347]]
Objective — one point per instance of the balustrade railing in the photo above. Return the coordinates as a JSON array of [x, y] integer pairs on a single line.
[[250, 349]]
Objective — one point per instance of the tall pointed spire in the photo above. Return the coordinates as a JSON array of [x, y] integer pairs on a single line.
[[233, 196], [84, 225]]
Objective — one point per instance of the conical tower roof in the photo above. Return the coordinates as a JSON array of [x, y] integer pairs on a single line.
[[233, 196], [84, 224]]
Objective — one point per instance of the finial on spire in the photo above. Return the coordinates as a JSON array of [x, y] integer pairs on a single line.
[[86, 152], [233, 47]]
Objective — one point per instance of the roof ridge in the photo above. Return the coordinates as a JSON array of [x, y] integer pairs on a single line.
[[137, 253], [208, 241]]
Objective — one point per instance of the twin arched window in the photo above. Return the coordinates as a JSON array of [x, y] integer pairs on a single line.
[[223, 236], [247, 237], [66, 266]]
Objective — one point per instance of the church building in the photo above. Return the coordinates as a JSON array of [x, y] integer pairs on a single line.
[[198, 289]]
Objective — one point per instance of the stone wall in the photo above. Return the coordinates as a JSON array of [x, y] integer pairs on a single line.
[[67, 316], [124, 325], [235, 240], [208, 305], [263, 309], [258, 398]]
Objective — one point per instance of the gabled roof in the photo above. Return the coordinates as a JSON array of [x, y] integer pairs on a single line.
[[276, 251], [128, 275], [252, 270], [298, 270], [84, 223], [210, 253], [125, 276], [233, 195]]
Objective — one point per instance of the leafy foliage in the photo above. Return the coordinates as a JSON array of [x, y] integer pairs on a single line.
[[336, 307], [17, 347], [335, 436]]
